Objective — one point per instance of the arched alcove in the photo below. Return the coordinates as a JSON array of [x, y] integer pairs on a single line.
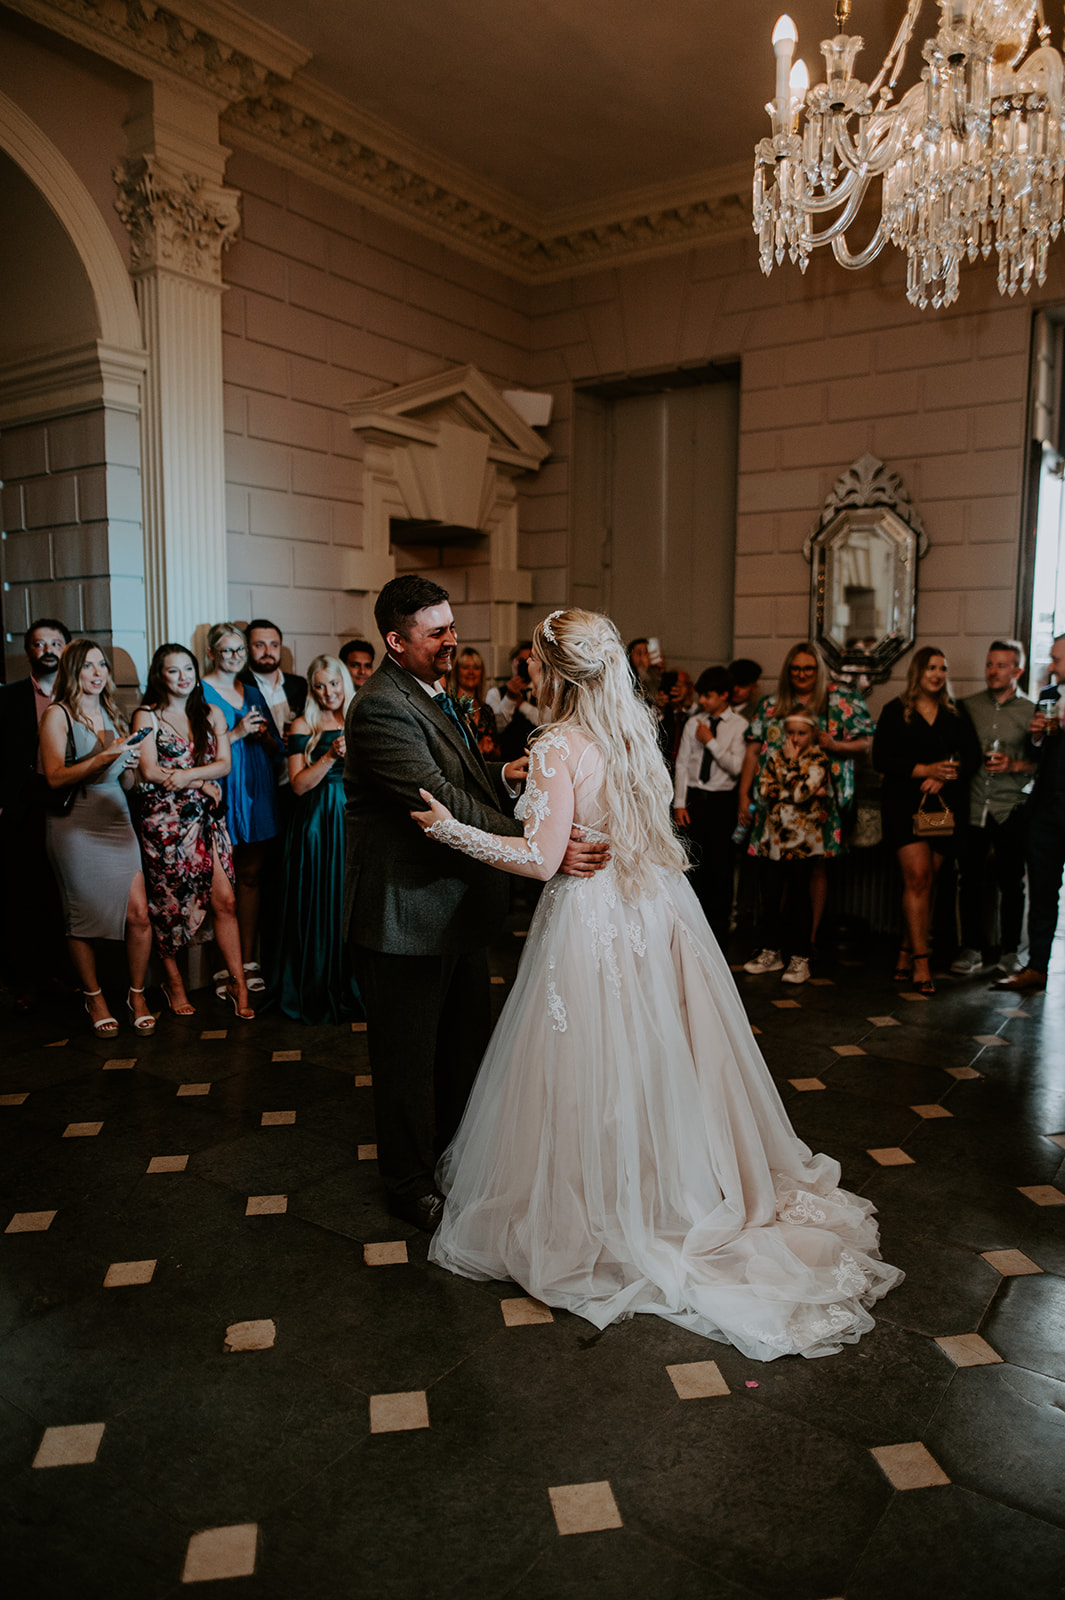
[[71, 369]]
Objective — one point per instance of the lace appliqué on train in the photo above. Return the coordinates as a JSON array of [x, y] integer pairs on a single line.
[[556, 1008]]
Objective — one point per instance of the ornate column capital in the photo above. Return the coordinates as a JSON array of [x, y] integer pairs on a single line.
[[177, 221]]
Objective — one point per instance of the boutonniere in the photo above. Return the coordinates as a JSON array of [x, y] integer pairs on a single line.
[[463, 704]]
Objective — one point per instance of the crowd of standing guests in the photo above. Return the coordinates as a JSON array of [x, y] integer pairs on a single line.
[[218, 812]]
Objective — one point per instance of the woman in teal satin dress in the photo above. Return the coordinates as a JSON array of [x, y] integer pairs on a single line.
[[313, 981]]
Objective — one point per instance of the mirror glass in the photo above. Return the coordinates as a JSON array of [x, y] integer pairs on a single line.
[[864, 589]]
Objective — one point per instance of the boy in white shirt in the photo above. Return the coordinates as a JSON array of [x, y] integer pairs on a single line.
[[709, 761]]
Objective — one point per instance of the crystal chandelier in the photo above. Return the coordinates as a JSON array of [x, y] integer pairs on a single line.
[[970, 160]]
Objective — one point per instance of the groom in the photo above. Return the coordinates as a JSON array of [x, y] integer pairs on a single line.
[[418, 916]]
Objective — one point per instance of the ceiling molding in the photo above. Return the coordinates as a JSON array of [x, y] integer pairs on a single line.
[[308, 129]]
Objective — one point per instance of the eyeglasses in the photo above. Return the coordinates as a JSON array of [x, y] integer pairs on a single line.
[[232, 650], [804, 672]]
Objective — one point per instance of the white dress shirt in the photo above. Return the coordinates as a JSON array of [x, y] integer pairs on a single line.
[[726, 748]]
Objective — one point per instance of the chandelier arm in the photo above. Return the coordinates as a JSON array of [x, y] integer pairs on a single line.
[[896, 56], [863, 258], [845, 218], [815, 204], [887, 131]]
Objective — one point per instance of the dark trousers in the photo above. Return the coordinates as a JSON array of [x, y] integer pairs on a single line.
[[787, 914], [1046, 862], [428, 1022], [1004, 841], [712, 821]]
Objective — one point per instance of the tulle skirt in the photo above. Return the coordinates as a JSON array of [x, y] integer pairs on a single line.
[[625, 1149]]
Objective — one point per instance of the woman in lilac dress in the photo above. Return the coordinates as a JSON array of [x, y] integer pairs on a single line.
[[188, 862]]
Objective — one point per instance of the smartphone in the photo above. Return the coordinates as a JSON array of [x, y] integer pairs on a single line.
[[135, 738], [654, 650]]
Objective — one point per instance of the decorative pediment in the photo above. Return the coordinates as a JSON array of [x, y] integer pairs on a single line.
[[462, 398]]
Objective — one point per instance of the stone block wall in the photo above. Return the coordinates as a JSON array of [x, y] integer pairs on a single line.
[[73, 543]]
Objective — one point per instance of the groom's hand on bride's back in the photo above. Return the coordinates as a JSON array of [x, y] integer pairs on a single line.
[[583, 860]]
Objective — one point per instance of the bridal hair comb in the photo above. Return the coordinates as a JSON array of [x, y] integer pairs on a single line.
[[546, 628]]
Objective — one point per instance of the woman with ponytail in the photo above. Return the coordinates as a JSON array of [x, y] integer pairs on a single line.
[[624, 1148]]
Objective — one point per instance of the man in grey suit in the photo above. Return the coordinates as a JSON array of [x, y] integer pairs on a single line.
[[418, 916]]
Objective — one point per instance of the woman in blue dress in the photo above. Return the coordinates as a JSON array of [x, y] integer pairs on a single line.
[[313, 982], [250, 791]]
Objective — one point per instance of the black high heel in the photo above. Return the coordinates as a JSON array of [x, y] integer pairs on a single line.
[[925, 985], [903, 973]]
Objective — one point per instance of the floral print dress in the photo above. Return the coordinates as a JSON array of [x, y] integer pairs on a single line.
[[846, 717], [179, 831]]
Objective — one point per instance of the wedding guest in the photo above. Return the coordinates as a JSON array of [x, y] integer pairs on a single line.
[[745, 679], [467, 682], [514, 703], [29, 900], [791, 787], [250, 791], [358, 656], [180, 820], [313, 981], [926, 750], [844, 731], [705, 798], [88, 763]]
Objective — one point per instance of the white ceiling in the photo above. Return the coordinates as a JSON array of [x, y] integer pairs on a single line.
[[567, 103]]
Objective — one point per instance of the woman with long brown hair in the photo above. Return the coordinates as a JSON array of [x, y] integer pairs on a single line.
[[188, 859], [91, 845], [468, 682], [926, 749]]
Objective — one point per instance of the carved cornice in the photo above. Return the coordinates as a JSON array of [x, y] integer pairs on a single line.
[[176, 220], [306, 128]]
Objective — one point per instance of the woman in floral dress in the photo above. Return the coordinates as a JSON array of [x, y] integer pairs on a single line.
[[180, 818], [845, 731]]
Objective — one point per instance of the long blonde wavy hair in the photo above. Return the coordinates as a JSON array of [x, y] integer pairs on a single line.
[[68, 686], [586, 683], [313, 715]]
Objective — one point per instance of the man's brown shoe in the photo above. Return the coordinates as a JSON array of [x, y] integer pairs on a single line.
[[1027, 981]]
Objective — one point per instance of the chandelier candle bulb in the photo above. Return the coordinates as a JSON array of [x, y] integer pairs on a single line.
[[785, 38]]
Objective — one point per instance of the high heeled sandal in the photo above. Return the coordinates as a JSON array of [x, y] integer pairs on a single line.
[[107, 1027], [253, 977], [903, 972], [923, 985], [185, 1009], [145, 1026], [246, 1014]]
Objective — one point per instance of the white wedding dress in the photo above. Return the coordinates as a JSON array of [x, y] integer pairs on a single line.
[[624, 1148]]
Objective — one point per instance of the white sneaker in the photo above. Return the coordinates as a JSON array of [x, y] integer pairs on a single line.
[[967, 962], [1010, 963], [764, 961], [798, 970]]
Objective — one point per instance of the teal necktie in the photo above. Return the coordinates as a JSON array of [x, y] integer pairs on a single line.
[[446, 702]]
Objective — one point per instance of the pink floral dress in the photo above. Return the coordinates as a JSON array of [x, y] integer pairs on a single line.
[[179, 831]]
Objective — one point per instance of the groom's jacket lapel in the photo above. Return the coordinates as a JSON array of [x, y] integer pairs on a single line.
[[425, 705]]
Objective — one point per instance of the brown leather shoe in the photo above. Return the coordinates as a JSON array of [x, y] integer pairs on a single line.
[[424, 1213], [1027, 981]]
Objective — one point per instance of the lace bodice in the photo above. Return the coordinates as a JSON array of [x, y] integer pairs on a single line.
[[563, 791]]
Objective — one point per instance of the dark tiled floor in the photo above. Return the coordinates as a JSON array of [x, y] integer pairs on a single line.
[[770, 1489]]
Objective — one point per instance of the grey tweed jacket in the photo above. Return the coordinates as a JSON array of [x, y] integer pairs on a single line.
[[403, 893]]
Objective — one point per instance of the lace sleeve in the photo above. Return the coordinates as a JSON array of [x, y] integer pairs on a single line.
[[546, 809]]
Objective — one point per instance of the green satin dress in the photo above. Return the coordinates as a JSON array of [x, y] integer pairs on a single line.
[[312, 980]]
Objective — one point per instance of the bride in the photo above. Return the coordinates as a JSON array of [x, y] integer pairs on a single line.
[[624, 1148]]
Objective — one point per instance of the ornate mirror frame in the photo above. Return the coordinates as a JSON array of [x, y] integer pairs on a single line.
[[863, 584]]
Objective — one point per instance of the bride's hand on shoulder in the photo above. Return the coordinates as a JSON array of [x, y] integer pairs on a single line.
[[437, 812]]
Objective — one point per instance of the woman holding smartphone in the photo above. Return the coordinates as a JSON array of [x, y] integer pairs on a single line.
[[250, 796], [188, 861], [92, 847]]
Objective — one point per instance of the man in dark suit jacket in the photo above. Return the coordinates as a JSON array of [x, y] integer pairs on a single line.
[[1044, 816], [30, 909], [419, 916]]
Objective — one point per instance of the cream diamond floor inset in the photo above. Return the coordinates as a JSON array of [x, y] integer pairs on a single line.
[[909, 1466], [932, 1111], [266, 1205], [14, 1099], [968, 1350], [120, 1064], [215, 1033], [193, 1088], [697, 1380], [399, 1413], [884, 1022], [287, 1055], [891, 1156], [277, 1119], [358, 1027], [259, 1334], [1010, 1263], [387, 1253], [963, 1073], [805, 1085], [221, 1553], [31, 1222], [75, 1445], [367, 1152], [524, 1312], [584, 1507], [848, 1050], [167, 1164], [129, 1274], [363, 1080], [82, 1130], [1042, 1194]]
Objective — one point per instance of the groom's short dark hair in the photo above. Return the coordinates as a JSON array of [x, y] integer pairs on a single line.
[[401, 598]]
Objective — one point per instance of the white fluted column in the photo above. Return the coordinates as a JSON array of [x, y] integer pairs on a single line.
[[179, 225]]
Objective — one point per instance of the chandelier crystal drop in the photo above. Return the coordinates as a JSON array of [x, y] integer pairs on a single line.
[[970, 160]]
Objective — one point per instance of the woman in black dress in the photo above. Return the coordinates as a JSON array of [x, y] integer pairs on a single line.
[[926, 750]]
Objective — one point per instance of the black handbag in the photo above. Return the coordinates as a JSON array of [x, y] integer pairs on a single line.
[[60, 802]]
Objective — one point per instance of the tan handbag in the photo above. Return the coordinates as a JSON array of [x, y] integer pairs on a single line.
[[933, 824]]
